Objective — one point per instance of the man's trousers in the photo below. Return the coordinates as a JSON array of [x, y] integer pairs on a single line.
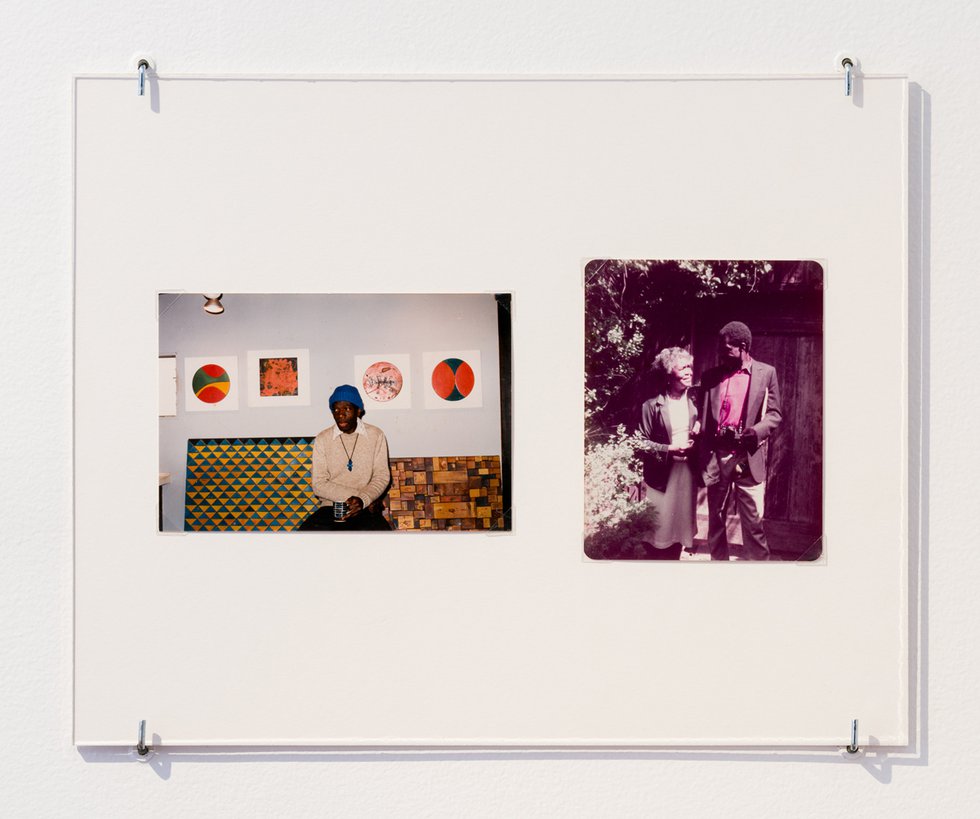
[[734, 477]]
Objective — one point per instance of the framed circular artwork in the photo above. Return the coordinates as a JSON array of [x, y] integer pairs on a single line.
[[453, 379], [211, 384], [382, 381]]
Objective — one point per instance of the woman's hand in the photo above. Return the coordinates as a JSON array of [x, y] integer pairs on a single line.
[[354, 506], [680, 452]]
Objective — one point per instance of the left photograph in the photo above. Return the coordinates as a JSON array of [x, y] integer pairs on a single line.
[[334, 412]]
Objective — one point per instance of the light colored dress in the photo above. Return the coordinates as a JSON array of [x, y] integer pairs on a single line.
[[675, 506]]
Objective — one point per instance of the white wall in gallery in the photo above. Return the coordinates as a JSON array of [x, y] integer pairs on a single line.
[[935, 47], [168, 386]]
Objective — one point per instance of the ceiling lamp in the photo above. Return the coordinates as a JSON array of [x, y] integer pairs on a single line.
[[212, 304]]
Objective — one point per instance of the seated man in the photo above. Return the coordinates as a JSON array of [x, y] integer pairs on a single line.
[[350, 469]]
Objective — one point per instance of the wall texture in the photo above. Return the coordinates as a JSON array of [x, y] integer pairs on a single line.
[[43, 43]]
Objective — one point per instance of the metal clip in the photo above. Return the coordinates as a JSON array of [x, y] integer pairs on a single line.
[[141, 747], [848, 65], [853, 747], [142, 66]]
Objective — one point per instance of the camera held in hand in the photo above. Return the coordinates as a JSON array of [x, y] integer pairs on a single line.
[[728, 437]]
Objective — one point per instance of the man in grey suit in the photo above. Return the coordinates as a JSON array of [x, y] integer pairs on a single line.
[[740, 411]]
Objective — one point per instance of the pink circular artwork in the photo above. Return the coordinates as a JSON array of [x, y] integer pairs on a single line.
[[382, 381]]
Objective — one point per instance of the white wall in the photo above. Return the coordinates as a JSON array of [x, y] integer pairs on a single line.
[[334, 328], [43, 43]]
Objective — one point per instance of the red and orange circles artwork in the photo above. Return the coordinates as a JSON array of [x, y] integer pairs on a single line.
[[453, 379], [211, 384]]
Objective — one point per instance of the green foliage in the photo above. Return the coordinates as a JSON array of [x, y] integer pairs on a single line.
[[615, 520], [635, 308]]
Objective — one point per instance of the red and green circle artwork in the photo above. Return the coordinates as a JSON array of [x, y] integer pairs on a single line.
[[211, 384], [453, 379]]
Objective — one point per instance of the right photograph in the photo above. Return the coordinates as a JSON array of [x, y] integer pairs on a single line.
[[703, 410]]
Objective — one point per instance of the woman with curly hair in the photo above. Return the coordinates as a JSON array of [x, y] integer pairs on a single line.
[[669, 424]]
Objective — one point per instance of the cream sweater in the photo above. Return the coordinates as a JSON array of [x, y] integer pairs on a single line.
[[370, 475]]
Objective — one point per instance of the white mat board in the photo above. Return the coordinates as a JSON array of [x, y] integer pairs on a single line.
[[247, 185]]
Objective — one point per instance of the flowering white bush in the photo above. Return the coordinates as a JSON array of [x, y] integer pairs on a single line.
[[616, 341], [615, 520]]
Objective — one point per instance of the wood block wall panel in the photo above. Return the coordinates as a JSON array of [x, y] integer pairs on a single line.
[[446, 493]]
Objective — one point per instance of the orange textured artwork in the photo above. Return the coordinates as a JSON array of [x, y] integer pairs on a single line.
[[278, 376]]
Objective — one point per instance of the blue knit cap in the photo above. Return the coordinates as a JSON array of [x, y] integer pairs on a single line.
[[345, 392]]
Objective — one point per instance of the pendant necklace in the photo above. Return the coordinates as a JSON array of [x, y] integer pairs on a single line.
[[350, 455]]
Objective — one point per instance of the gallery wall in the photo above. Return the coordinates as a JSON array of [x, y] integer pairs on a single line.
[[46, 42], [334, 328]]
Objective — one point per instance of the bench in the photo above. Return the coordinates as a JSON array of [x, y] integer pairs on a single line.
[[263, 485]]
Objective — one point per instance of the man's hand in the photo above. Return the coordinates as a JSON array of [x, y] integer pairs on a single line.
[[749, 439], [354, 506]]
